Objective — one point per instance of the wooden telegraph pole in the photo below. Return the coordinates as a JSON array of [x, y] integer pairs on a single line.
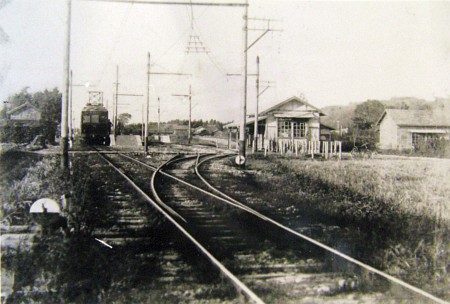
[[240, 160], [190, 111], [64, 144], [148, 98], [148, 105], [117, 101], [255, 141]]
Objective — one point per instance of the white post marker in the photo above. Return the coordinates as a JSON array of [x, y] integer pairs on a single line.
[[240, 160], [45, 205]]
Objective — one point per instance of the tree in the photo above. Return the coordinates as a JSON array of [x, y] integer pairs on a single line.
[[16, 100], [364, 121], [49, 102], [123, 119], [367, 114]]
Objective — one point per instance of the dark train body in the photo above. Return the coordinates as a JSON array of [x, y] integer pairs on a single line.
[[95, 126]]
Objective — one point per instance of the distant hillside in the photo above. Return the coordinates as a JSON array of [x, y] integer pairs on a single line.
[[342, 114], [410, 103], [345, 114]]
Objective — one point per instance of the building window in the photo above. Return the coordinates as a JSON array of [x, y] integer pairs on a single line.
[[287, 127], [418, 138], [86, 119], [284, 128], [299, 129], [95, 118]]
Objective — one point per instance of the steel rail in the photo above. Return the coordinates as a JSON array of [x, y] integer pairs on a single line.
[[153, 188], [319, 244], [229, 200], [238, 284], [239, 205], [137, 188]]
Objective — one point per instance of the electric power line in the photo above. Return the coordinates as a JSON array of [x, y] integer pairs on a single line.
[[115, 44]]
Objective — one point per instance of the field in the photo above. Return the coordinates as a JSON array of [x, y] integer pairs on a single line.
[[418, 186], [400, 206]]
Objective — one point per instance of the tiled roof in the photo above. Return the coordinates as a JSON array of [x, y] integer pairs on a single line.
[[418, 118], [293, 98], [22, 106]]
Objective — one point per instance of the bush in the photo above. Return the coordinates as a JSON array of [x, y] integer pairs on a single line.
[[42, 180], [433, 147], [17, 133]]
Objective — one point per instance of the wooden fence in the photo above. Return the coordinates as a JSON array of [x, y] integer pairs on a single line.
[[326, 149]]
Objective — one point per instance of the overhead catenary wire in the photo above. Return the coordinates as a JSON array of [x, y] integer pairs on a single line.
[[115, 43]]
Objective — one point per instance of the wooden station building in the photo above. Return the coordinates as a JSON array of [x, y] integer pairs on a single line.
[[292, 125]]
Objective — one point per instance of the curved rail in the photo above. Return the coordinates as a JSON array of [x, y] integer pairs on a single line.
[[317, 243], [239, 205], [238, 284]]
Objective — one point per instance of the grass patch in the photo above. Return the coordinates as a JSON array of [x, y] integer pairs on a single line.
[[401, 206], [418, 187]]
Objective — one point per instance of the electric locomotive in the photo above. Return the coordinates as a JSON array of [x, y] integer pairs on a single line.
[[95, 126]]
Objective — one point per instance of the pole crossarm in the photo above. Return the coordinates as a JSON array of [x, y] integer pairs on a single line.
[[268, 84], [265, 89], [257, 39], [176, 74], [265, 29], [265, 19], [235, 4], [82, 85], [241, 74]]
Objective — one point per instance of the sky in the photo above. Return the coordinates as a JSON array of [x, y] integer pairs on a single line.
[[331, 53]]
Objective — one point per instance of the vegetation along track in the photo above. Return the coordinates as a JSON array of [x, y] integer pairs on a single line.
[[275, 262]]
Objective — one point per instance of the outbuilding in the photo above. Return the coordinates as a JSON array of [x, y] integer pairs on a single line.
[[404, 129], [26, 113]]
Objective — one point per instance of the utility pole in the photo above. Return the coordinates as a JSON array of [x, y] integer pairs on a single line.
[[159, 115], [117, 100], [70, 106], [255, 142], [116, 106], [190, 115], [113, 111], [148, 105], [142, 124], [240, 160], [65, 96], [148, 97], [190, 110]]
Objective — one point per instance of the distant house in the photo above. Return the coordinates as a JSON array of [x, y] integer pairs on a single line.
[[25, 114], [403, 129], [292, 121], [21, 124]]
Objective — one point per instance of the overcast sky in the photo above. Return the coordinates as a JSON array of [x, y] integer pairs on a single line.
[[333, 53]]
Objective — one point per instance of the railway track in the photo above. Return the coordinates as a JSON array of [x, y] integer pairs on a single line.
[[264, 260]]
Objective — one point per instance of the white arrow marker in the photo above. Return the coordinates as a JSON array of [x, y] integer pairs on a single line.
[[104, 243]]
